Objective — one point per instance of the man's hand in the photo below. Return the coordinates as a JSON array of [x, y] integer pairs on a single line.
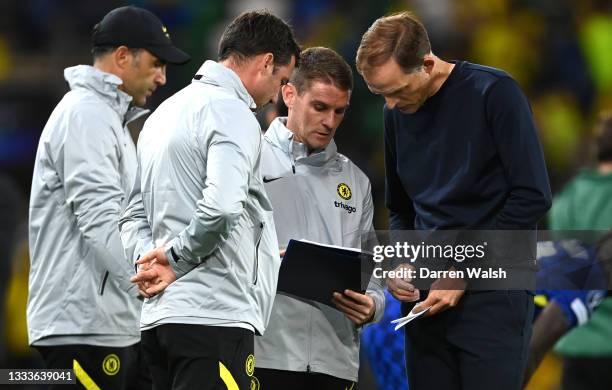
[[444, 294], [154, 273], [359, 308], [144, 270], [401, 288]]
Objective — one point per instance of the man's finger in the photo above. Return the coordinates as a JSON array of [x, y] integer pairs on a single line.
[[355, 320], [401, 290], [157, 288], [401, 284], [346, 306], [409, 297], [146, 266], [430, 301], [157, 254], [144, 276], [143, 293], [355, 316], [400, 297], [404, 295], [142, 288], [339, 298], [149, 261], [149, 256], [436, 308], [357, 297]]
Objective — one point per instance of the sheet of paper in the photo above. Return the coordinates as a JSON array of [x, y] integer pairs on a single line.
[[331, 246], [411, 316]]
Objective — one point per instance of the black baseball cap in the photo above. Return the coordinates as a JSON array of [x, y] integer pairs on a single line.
[[139, 29]]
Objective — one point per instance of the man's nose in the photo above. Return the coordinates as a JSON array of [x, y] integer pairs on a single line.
[[329, 120], [160, 79]]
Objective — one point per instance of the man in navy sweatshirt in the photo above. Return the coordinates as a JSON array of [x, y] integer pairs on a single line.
[[461, 152]]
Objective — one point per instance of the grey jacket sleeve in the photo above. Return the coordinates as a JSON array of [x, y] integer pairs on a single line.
[[93, 189], [375, 289], [135, 230], [232, 141]]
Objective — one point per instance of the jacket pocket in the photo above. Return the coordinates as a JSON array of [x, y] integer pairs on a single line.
[[257, 242], [103, 283], [54, 185]]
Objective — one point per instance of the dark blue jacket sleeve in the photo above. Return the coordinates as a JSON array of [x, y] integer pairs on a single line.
[[514, 133], [401, 209]]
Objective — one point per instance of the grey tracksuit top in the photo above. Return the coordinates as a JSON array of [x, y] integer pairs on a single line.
[[199, 193], [79, 289], [304, 191]]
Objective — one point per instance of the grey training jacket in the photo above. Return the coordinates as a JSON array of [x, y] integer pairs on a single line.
[[310, 201], [199, 193], [79, 289]]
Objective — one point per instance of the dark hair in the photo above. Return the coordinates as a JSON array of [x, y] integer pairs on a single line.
[[258, 32], [322, 64], [98, 52], [603, 141], [400, 36]]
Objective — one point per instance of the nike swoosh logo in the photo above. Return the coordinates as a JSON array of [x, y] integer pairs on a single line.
[[267, 179]]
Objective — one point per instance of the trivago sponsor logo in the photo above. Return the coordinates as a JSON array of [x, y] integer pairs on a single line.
[[348, 208]]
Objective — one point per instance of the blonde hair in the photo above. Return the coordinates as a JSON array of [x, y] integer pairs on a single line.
[[399, 36]]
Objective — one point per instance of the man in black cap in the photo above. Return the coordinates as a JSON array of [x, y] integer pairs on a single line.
[[83, 312], [141, 37]]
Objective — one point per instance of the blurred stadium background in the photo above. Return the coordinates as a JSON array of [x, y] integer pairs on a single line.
[[560, 52]]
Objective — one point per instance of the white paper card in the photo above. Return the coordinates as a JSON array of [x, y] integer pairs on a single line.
[[411, 316]]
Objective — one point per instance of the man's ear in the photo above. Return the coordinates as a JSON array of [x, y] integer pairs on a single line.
[[289, 94], [268, 63], [122, 57], [428, 63]]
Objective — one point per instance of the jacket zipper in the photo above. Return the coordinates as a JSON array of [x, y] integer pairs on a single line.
[[104, 279], [261, 226], [290, 155]]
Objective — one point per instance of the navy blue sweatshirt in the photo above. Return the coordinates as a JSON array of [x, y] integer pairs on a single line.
[[469, 158]]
